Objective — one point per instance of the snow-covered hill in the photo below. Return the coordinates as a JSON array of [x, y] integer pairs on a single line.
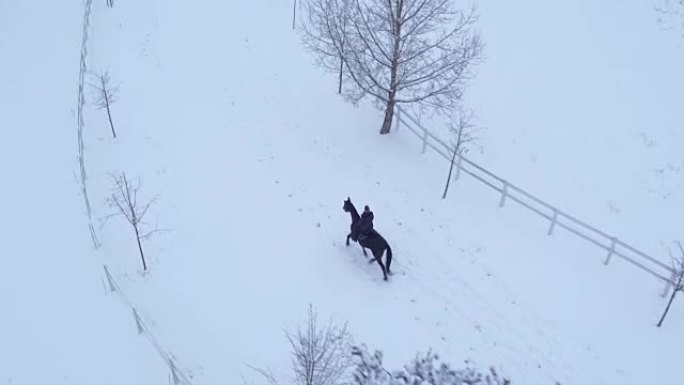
[[251, 153]]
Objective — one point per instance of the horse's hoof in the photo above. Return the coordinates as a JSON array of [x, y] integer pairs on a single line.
[[371, 261], [385, 278]]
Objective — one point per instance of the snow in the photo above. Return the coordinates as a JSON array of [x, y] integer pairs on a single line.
[[251, 153], [583, 96], [58, 326]]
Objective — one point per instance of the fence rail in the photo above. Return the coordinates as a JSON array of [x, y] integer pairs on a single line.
[[176, 375], [83, 69], [556, 217]]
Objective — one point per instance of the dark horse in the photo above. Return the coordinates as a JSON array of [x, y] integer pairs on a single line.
[[375, 242]]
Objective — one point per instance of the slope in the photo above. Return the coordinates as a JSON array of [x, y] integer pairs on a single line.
[[223, 115], [57, 326]]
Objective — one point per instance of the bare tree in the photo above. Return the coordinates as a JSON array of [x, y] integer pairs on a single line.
[[463, 132], [424, 369], [320, 355], [325, 31], [677, 280], [105, 95], [414, 52], [267, 374], [124, 201]]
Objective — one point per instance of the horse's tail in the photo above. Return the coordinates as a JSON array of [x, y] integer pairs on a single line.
[[389, 256]]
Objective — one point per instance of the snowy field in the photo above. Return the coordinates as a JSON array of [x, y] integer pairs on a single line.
[[251, 153]]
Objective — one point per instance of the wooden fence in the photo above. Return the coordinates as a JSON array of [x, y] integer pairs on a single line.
[[176, 376], [611, 245]]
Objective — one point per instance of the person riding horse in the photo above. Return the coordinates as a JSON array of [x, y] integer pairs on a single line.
[[361, 231], [365, 226]]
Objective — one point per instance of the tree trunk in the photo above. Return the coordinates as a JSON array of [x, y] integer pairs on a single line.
[[110, 121], [451, 168], [344, 42], [674, 292], [453, 158], [389, 115], [294, 13], [396, 54], [142, 255], [339, 87]]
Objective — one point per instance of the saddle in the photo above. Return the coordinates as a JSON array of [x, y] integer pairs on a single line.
[[364, 236]]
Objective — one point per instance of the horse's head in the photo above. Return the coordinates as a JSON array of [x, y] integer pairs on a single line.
[[348, 206]]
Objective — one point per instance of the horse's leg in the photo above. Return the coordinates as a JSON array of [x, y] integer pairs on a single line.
[[378, 258], [388, 259], [366, 254], [364, 250], [348, 236]]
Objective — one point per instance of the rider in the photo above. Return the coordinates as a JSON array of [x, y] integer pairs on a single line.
[[365, 226]]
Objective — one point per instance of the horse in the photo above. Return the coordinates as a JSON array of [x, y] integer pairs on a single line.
[[375, 242]]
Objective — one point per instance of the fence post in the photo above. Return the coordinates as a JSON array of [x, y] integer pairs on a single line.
[[425, 139], [458, 167], [669, 284], [554, 220], [174, 373], [504, 194], [666, 289], [109, 279], [613, 240], [137, 321]]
